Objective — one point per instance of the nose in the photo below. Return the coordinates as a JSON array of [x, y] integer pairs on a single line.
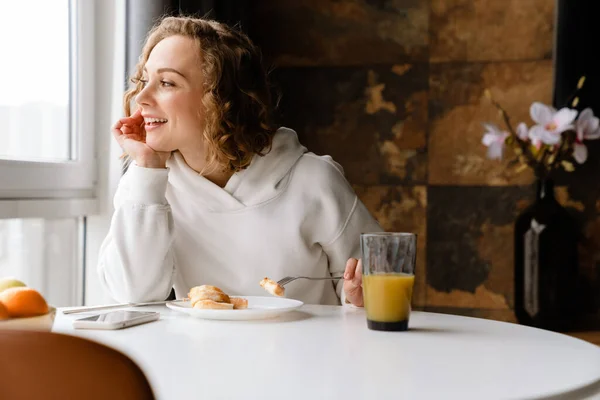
[[145, 97]]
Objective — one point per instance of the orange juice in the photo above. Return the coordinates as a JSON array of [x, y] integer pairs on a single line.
[[387, 300]]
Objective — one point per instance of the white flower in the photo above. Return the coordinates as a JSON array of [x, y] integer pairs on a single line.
[[586, 128], [550, 123], [522, 131], [494, 140]]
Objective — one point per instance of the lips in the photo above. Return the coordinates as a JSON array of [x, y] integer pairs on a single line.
[[152, 122]]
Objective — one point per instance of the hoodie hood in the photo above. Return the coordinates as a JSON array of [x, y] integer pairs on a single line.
[[264, 178]]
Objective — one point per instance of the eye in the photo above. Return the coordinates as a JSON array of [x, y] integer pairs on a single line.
[[166, 84], [143, 81]]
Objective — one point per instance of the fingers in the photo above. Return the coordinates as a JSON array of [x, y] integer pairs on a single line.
[[126, 121], [350, 268], [117, 133], [353, 271], [131, 127], [353, 282], [126, 129], [123, 132], [357, 279], [137, 118]]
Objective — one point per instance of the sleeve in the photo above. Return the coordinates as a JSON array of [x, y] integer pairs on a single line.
[[342, 217], [135, 263], [347, 243]]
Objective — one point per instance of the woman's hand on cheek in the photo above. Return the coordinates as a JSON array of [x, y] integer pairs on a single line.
[[131, 136]]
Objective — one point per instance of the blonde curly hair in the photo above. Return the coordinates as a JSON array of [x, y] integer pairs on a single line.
[[237, 99]]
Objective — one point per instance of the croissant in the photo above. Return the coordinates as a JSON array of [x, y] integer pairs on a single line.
[[209, 304], [213, 295], [196, 289], [239, 303]]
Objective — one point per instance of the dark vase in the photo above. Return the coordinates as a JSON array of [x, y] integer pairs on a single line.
[[546, 263]]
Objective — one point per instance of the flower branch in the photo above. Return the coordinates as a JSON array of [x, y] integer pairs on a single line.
[[556, 138]]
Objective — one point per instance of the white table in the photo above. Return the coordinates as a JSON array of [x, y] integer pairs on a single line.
[[327, 352]]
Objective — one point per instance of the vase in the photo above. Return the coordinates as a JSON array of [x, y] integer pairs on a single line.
[[546, 262]]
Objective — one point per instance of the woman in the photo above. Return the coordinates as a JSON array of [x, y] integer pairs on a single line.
[[215, 193]]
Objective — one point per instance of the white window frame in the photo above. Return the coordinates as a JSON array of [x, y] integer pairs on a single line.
[[61, 189]]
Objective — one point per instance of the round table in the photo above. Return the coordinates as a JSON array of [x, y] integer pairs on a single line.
[[327, 352]]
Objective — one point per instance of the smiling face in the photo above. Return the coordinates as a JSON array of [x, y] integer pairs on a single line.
[[171, 99], [203, 89]]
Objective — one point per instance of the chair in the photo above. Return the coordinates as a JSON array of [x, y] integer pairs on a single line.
[[45, 365]]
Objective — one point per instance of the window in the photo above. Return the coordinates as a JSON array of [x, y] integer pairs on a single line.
[[34, 100], [47, 163], [46, 105], [45, 254]]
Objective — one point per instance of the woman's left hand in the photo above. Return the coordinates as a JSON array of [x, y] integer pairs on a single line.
[[353, 282]]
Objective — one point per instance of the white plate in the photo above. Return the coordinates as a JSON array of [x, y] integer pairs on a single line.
[[258, 308]]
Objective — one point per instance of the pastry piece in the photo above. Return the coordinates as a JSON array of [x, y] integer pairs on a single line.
[[272, 287], [219, 297], [212, 297], [197, 289], [239, 303], [207, 292], [212, 305]]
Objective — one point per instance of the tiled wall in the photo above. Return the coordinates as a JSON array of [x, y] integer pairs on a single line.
[[393, 90]]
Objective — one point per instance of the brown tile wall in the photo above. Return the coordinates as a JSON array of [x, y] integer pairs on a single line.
[[393, 90]]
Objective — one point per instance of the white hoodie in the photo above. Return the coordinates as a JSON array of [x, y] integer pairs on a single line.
[[289, 213]]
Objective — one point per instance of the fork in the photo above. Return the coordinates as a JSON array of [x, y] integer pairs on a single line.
[[288, 279]]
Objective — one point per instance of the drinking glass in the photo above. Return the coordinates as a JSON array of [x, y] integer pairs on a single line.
[[388, 260]]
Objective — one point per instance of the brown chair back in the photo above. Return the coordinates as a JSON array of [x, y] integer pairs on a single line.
[[45, 365]]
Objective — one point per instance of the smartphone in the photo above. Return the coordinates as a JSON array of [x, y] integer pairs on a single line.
[[116, 320]]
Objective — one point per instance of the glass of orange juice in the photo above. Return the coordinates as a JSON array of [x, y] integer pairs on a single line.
[[388, 278]]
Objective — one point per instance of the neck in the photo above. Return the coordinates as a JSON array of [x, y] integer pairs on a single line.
[[196, 160]]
